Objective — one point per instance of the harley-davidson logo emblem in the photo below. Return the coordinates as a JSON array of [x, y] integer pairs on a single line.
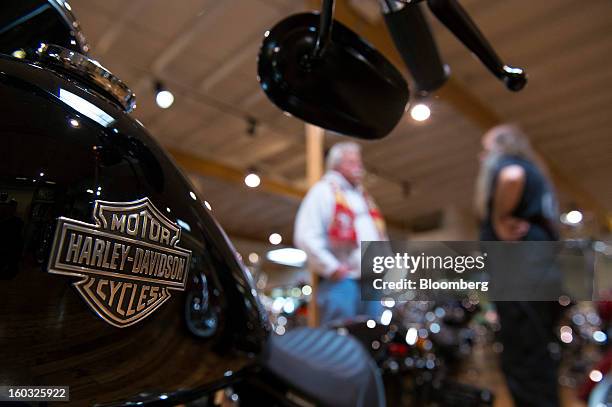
[[129, 259]]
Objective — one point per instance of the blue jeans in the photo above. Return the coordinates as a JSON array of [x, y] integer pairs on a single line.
[[340, 300]]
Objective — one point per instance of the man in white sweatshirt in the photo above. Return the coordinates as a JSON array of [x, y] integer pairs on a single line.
[[334, 217]]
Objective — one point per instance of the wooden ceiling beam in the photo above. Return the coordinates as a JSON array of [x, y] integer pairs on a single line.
[[209, 168]]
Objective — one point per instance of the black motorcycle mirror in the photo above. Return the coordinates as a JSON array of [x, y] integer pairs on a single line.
[[329, 77]]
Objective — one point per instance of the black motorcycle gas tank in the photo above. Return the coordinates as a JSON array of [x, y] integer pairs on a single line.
[[56, 161]]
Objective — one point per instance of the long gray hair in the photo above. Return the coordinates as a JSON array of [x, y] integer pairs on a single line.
[[505, 140]]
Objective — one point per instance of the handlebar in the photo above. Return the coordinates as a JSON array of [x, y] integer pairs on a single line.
[[414, 41], [416, 45], [455, 18]]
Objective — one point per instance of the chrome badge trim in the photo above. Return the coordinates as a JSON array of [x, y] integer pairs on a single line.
[[129, 260]]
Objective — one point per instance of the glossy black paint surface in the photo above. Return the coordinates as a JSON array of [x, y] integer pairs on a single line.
[[351, 89], [24, 24], [54, 161]]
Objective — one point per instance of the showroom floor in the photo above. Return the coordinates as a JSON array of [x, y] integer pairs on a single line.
[[483, 370]]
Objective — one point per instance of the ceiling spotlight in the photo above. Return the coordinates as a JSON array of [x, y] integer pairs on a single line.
[[253, 257], [275, 238], [74, 123], [163, 97], [572, 217], [252, 180], [420, 112]]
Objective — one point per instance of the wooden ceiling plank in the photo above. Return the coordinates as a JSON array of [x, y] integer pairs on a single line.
[[554, 25], [406, 137], [580, 135]]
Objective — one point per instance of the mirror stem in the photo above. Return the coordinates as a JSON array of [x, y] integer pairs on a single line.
[[325, 27]]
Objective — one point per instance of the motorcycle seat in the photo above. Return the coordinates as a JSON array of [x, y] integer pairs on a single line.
[[333, 369]]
